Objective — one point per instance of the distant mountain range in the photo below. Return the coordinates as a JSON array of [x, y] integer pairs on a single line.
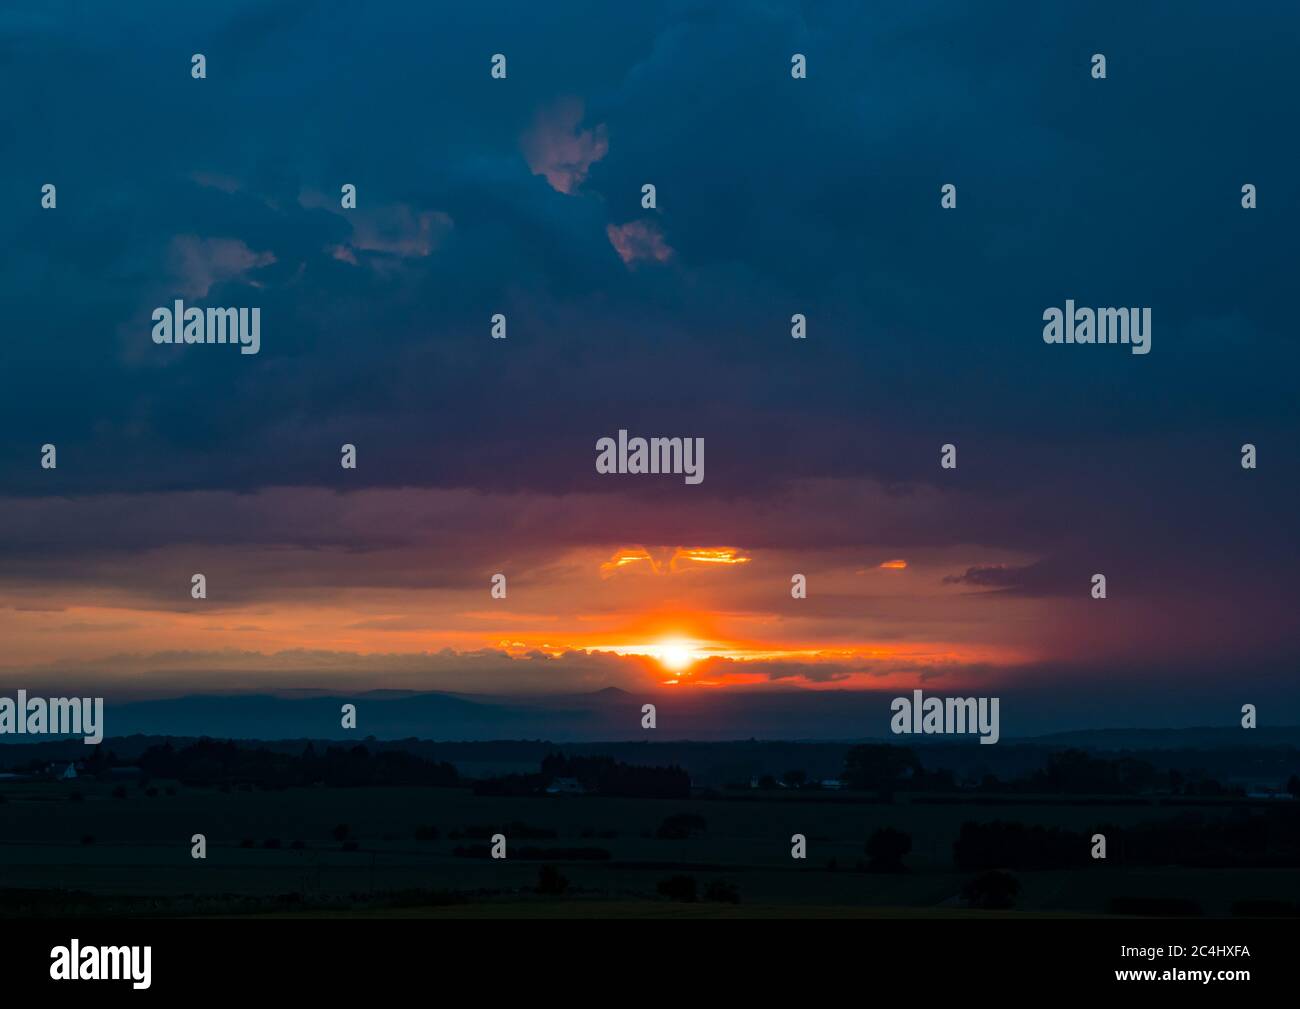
[[608, 715]]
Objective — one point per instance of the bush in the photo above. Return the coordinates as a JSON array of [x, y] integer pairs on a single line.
[[678, 888], [886, 849], [427, 833], [722, 892], [551, 881], [680, 826]]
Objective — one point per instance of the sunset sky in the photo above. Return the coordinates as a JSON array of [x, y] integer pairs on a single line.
[[523, 196]]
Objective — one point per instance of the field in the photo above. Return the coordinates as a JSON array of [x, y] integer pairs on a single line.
[[282, 852]]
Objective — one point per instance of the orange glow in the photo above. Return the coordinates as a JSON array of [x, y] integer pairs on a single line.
[[626, 557], [675, 656], [707, 555], [702, 616], [682, 557]]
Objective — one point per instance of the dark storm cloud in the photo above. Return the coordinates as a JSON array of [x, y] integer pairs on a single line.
[[819, 196], [1045, 578]]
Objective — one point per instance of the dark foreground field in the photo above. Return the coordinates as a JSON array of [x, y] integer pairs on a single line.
[[87, 847]]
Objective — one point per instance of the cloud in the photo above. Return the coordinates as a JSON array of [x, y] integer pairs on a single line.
[[638, 240], [671, 560], [828, 455], [201, 263], [634, 558], [401, 231], [1043, 578], [396, 229], [479, 670], [685, 557], [216, 180], [554, 146]]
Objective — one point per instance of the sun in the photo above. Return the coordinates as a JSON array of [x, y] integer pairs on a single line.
[[674, 655]]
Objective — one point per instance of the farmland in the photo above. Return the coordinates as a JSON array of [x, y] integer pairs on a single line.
[[95, 848]]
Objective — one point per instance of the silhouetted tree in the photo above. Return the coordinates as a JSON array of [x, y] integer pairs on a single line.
[[607, 776], [225, 763], [879, 766], [886, 848], [678, 888], [550, 881]]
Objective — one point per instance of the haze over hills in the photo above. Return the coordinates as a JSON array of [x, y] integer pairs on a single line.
[[612, 714]]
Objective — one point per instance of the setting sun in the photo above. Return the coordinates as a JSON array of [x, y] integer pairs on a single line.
[[674, 655]]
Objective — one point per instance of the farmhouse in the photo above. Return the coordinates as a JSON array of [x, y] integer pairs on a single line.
[[565, 786]]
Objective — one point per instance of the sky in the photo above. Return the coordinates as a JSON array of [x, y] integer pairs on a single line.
[[775, 196]]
